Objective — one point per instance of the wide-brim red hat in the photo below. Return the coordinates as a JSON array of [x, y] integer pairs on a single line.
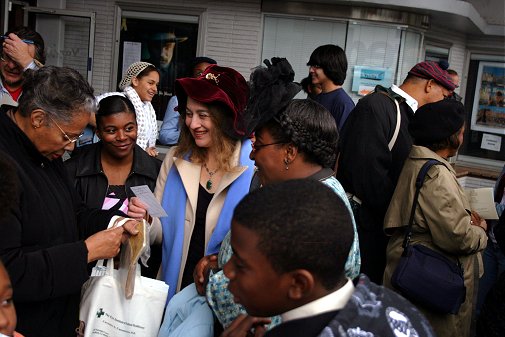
[[217, 85]]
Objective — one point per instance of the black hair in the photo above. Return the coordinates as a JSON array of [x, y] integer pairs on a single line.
[[112, 105], [298, 232], [310, 127], [59, 91], [306, 83], [201, 59], [332, 59], [452, 72], [26, 33]]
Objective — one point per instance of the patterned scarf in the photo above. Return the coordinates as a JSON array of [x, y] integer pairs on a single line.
[[146, 119]]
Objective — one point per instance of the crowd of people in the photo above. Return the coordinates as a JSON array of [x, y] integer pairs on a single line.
[[285, 217]]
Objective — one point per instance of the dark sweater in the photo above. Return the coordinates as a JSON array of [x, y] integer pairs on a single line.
[[372, 310], [367, 168], [41, 238]]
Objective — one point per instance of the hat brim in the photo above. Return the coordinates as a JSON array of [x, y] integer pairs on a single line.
[[202, 90]]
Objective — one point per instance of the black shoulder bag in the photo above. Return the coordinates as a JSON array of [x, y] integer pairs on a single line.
[[425, 276]]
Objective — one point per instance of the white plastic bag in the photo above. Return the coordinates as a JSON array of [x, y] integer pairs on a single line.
[[105, 309]]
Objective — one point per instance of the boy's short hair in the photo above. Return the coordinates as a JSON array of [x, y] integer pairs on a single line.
[[301, 224], [331, 58]]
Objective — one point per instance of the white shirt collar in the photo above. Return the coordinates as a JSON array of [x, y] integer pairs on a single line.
[[411, 101], [333, 301]]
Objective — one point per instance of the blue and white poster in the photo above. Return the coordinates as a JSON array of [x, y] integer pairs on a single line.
[[366, 78]]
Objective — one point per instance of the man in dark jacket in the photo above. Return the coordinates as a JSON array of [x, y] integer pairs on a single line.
[[372, 151]]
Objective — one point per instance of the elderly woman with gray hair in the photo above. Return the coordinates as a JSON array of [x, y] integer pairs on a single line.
[[48, 236]]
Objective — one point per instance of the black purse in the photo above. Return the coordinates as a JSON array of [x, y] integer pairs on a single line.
[[425, 276]]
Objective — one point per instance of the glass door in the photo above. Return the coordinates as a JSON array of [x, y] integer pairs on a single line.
[[69, 37]]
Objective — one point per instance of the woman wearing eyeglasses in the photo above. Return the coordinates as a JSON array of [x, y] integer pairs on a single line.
[[48, 236], [294, 139]]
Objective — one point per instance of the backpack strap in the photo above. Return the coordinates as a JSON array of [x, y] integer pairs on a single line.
[[392, 96]]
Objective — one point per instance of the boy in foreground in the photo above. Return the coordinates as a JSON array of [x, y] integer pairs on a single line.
[[290, 243]]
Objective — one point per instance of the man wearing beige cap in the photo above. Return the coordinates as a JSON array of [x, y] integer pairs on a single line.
[[374, 143]]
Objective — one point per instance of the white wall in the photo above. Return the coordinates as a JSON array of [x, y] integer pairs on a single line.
[[232, 31]]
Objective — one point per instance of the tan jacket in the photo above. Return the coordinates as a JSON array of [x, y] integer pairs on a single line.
[[190, 175], [441, 222]]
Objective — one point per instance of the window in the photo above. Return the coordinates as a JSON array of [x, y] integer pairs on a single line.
[[68, 37], [296, 38], [435, 53], [374, 51], [485, 107]]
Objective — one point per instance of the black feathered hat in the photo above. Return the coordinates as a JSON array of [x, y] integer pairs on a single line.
[[271, 90]]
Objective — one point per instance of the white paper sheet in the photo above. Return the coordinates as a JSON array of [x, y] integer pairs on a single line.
[[147, 197], [482, 201], [491, 142], [131, 54]]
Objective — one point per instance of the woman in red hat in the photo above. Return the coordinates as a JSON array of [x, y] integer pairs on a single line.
[[206, 175]]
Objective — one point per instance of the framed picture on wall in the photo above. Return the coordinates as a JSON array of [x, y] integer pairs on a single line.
[[488, 113]]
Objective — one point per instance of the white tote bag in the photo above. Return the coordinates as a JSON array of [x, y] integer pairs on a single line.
[[105, 310]]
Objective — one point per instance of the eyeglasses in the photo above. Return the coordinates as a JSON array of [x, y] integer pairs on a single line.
[[70, 140], [257, 147]]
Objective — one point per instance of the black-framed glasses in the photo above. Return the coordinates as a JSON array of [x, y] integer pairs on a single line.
[[70, 140], [257, 147]]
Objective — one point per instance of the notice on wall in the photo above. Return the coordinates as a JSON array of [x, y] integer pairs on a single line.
[[131, 54], [491, 142]]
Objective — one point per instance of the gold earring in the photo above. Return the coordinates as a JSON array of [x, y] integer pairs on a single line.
[[286, 162]]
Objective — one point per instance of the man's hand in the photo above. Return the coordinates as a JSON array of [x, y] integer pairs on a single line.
[[20, 52], [201, 272]]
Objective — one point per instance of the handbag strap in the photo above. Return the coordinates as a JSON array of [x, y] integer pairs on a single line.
[[419, 183]]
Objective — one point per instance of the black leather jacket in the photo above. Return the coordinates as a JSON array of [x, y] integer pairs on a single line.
[[86, 172]]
